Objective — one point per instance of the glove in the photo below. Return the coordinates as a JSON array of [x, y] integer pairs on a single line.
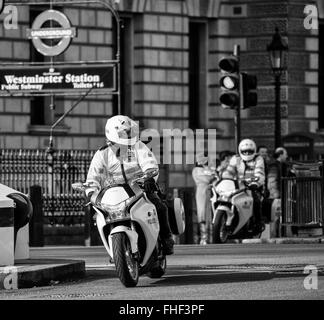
[[253, 186], [89, 196], [150, 186]]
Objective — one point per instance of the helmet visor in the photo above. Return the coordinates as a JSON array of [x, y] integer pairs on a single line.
[[128, 133], [247, 152]]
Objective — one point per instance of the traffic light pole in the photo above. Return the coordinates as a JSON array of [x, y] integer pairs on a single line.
[[237, 116], [277, 112]]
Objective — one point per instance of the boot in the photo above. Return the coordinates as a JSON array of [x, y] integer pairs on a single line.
[[203, 233], [167, 244]]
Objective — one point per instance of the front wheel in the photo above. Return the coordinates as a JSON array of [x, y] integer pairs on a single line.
[[126, 265], [220, 231], [158, 270]]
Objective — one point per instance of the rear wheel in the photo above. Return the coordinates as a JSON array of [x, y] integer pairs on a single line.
[[158, 270], [126, 265], [219, 228]]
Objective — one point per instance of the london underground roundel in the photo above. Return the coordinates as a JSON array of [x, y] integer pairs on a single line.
[[64, 33]]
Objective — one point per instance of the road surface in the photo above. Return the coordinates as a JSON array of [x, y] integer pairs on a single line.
[[213, 272]]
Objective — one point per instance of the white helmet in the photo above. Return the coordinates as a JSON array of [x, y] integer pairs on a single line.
[[122, 130], [247, 149]]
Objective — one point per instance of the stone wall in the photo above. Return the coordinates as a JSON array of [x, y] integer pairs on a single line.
[[160, 71]]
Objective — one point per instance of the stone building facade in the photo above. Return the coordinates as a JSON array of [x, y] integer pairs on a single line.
[[170, 51]]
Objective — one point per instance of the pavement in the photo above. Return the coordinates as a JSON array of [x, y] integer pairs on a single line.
[[284, 240], [43, 272], [40, 272]]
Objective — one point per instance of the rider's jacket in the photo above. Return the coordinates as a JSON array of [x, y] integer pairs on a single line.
[[106, 168], [237, 168]]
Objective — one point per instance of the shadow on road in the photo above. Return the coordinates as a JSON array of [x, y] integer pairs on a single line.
[[213, 278], [181, 277], [189, 278]]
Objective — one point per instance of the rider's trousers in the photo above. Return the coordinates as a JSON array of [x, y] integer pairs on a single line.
[[162, 212]]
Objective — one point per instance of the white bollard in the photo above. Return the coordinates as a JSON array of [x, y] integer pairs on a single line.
[[7, 255], [22, 242]]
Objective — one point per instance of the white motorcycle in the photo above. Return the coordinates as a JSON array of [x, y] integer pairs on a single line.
[[233, 210], [129, 229]]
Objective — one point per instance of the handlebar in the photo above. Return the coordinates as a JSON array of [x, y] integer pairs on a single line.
[[250, 180], [239, 191], [81, 187]]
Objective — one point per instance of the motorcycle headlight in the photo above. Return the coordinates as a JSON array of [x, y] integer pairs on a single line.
[[225, 195], [116, 212]]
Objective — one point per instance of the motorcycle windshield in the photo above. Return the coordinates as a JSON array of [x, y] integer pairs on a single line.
[[114, 196], [225, 186]]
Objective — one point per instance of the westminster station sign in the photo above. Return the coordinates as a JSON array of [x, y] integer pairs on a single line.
[[40, 80]]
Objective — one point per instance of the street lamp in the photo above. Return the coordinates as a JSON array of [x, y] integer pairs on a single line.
[[278, 50]]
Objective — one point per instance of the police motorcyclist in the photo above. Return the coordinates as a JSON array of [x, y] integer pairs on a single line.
[[124, 158], [245, 165]]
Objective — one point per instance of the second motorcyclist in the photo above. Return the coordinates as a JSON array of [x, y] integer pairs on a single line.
[[124, 158], [245, 165]]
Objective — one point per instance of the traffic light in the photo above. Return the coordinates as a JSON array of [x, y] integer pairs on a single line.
[[229, 82], [248, 90]]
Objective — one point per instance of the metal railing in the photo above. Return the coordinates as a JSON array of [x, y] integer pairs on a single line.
[[54, 173], [302, 200]]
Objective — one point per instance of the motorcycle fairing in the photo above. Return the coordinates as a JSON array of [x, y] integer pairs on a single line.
[[225, 185], [101, 222], [132, 236], [229, 212], [244, 205], [114, 196], [144, 213]]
